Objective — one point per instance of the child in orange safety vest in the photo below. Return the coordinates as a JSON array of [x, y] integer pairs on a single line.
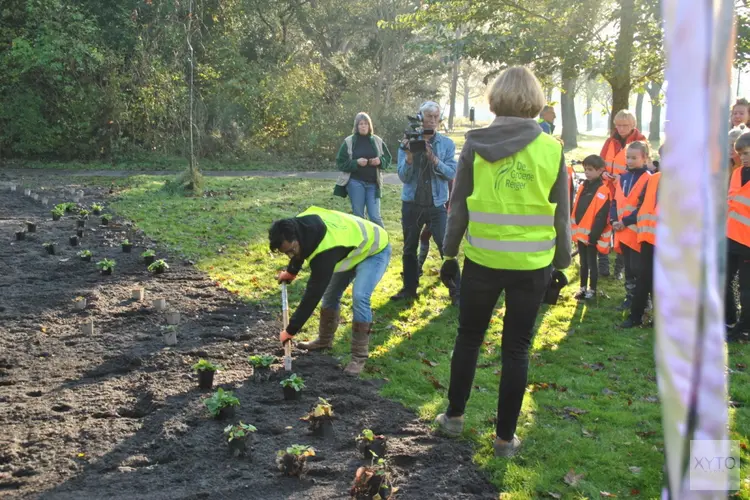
[[590, 224], [624, 214], [738, 239]]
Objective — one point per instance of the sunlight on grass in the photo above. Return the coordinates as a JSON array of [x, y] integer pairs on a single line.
[[591, 403]]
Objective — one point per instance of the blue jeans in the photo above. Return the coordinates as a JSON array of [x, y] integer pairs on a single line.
[[366, 276], [364, 194]]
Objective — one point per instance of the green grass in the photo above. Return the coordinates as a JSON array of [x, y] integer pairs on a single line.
[[589, 405]]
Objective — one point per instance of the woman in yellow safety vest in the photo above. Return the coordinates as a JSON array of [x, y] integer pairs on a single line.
[[511, 201]]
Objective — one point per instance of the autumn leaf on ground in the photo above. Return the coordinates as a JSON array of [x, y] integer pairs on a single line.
[[586, 433], [429, 363], [572, 478], [575, 411], [741, 366], [634, 470], [650, 399], [594, 366], [435, 383], [743, 446], [607, 494], [634, 492]]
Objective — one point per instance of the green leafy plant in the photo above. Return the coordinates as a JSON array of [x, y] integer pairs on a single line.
[[149, 253], [96, 208], [159, 265], [323, 409], [373, 481], [204, 366], [83, 212], [298, 450], [238, 431], [79, 298], [106, 264], [294, 381], [106, 217], [85, 253], [262, 361], [366, 435], [126, 242], [47, 244], [220, 399], [292, 460], [58, 211]]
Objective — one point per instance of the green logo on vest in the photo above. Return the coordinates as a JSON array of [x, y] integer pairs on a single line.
[[513, 174]]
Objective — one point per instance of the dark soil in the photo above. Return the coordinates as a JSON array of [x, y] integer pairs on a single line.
[[119, 416]]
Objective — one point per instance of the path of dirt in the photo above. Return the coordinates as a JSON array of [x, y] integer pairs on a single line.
[[117, 415]]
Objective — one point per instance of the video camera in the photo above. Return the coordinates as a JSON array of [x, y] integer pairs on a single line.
[[415, 134]]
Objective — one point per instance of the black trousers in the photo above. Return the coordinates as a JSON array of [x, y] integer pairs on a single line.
[[480, 289], [645, 282], [630, 260], [588, 256], [735, 264], [413, 219], [604, 264]]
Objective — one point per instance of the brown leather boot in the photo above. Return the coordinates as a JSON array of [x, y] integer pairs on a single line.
[[329, 322], [360, 348]]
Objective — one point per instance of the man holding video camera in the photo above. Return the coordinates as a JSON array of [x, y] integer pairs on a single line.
[[426, 164]]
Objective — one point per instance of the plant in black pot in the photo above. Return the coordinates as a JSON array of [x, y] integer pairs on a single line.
[[293, 460], [74, 240], [238, 436], [126, 246], [50, 247], [106, 266], [84, 214], [57, 213], [373, 482], [206, 371], [320, 419], [31, 227], [149, 256], [158, 267], [105, 219], [261, 366], [97, 209], [21, 235], [69, 206], [80, 223], [371, 445], [222, 404], [85, 255], [292, 387]]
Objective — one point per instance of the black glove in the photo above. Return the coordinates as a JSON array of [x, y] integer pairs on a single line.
[[449, 272], [559, 279]]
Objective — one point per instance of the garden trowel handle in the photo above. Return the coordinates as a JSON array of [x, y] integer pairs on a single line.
[[285, 319]]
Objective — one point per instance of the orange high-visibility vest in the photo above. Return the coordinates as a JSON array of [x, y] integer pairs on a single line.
[[648, 212], [626, 205], [738, 217], [582, 229], [615, 163]]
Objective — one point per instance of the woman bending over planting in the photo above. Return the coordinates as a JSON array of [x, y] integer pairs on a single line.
[[339, 248], [511, 202]]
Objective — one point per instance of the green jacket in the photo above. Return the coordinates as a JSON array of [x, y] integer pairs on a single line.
[[346, 164]]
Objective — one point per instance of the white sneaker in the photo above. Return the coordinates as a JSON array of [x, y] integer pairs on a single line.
[[590, 294], [581, 294]]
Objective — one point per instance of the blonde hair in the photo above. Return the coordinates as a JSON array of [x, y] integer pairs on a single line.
[[516, 92], [626, 114], [641, 146], [363, 116]]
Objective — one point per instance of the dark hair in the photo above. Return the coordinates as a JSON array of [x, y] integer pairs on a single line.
[[743, 142], [594, 161], [280, 231]]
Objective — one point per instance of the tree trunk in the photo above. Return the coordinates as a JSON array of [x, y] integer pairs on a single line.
[[639, 112], [620, 77], [589, 111], [654, 128], [467, 90], [567, 105], [454, 82]]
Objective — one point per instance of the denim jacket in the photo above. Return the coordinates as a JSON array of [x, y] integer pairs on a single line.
[[445, 149]]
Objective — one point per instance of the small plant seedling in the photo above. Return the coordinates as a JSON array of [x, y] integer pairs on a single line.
[[373, 481], [96, 208], [50, 247], [221, 403], [292, 387], [158, 267], [57, 212], [106, 266], [83, 213], [148, 253], [370, 444], [262, 361], [292, 461], [237, 435], [106, 218], [320, 418], [126, 241], [85, 255], [205, 366]]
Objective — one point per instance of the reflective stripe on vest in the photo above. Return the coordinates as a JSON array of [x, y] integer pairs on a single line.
[[511, 220], [581, 230], [629, 236], [345, 230], [647, 215], [738, 215]]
